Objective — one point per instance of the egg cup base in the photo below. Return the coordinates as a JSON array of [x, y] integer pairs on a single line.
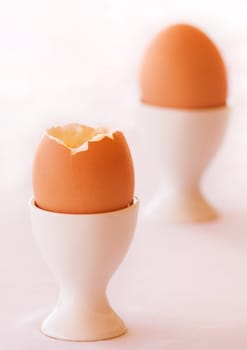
[[181, 209], [91, 328]]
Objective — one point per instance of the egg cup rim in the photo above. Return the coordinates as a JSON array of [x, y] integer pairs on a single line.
[[225, 107], [135, 202]]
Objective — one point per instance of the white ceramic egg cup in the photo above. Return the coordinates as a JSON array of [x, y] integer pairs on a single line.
[[184, 142], [83, 251]]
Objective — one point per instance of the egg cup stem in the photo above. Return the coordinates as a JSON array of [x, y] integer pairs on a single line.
[[184, 142], [83, 251]]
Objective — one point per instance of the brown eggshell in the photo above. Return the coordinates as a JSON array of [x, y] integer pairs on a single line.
[[182, 68], [100, 179]]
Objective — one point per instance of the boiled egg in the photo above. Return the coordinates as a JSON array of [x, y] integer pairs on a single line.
[[81, 170]]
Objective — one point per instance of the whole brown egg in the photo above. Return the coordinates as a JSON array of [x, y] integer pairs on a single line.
[[182, 68]]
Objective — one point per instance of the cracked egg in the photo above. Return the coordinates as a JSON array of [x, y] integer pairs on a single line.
[[81, 170]]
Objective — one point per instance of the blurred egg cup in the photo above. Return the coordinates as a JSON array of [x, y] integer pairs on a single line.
[[184, 141]]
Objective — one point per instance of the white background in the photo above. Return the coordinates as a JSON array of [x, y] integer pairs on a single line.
[[64, 61], [181, 288]]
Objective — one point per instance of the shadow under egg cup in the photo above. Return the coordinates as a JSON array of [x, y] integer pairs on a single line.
[[83, 251], [184, 141]]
